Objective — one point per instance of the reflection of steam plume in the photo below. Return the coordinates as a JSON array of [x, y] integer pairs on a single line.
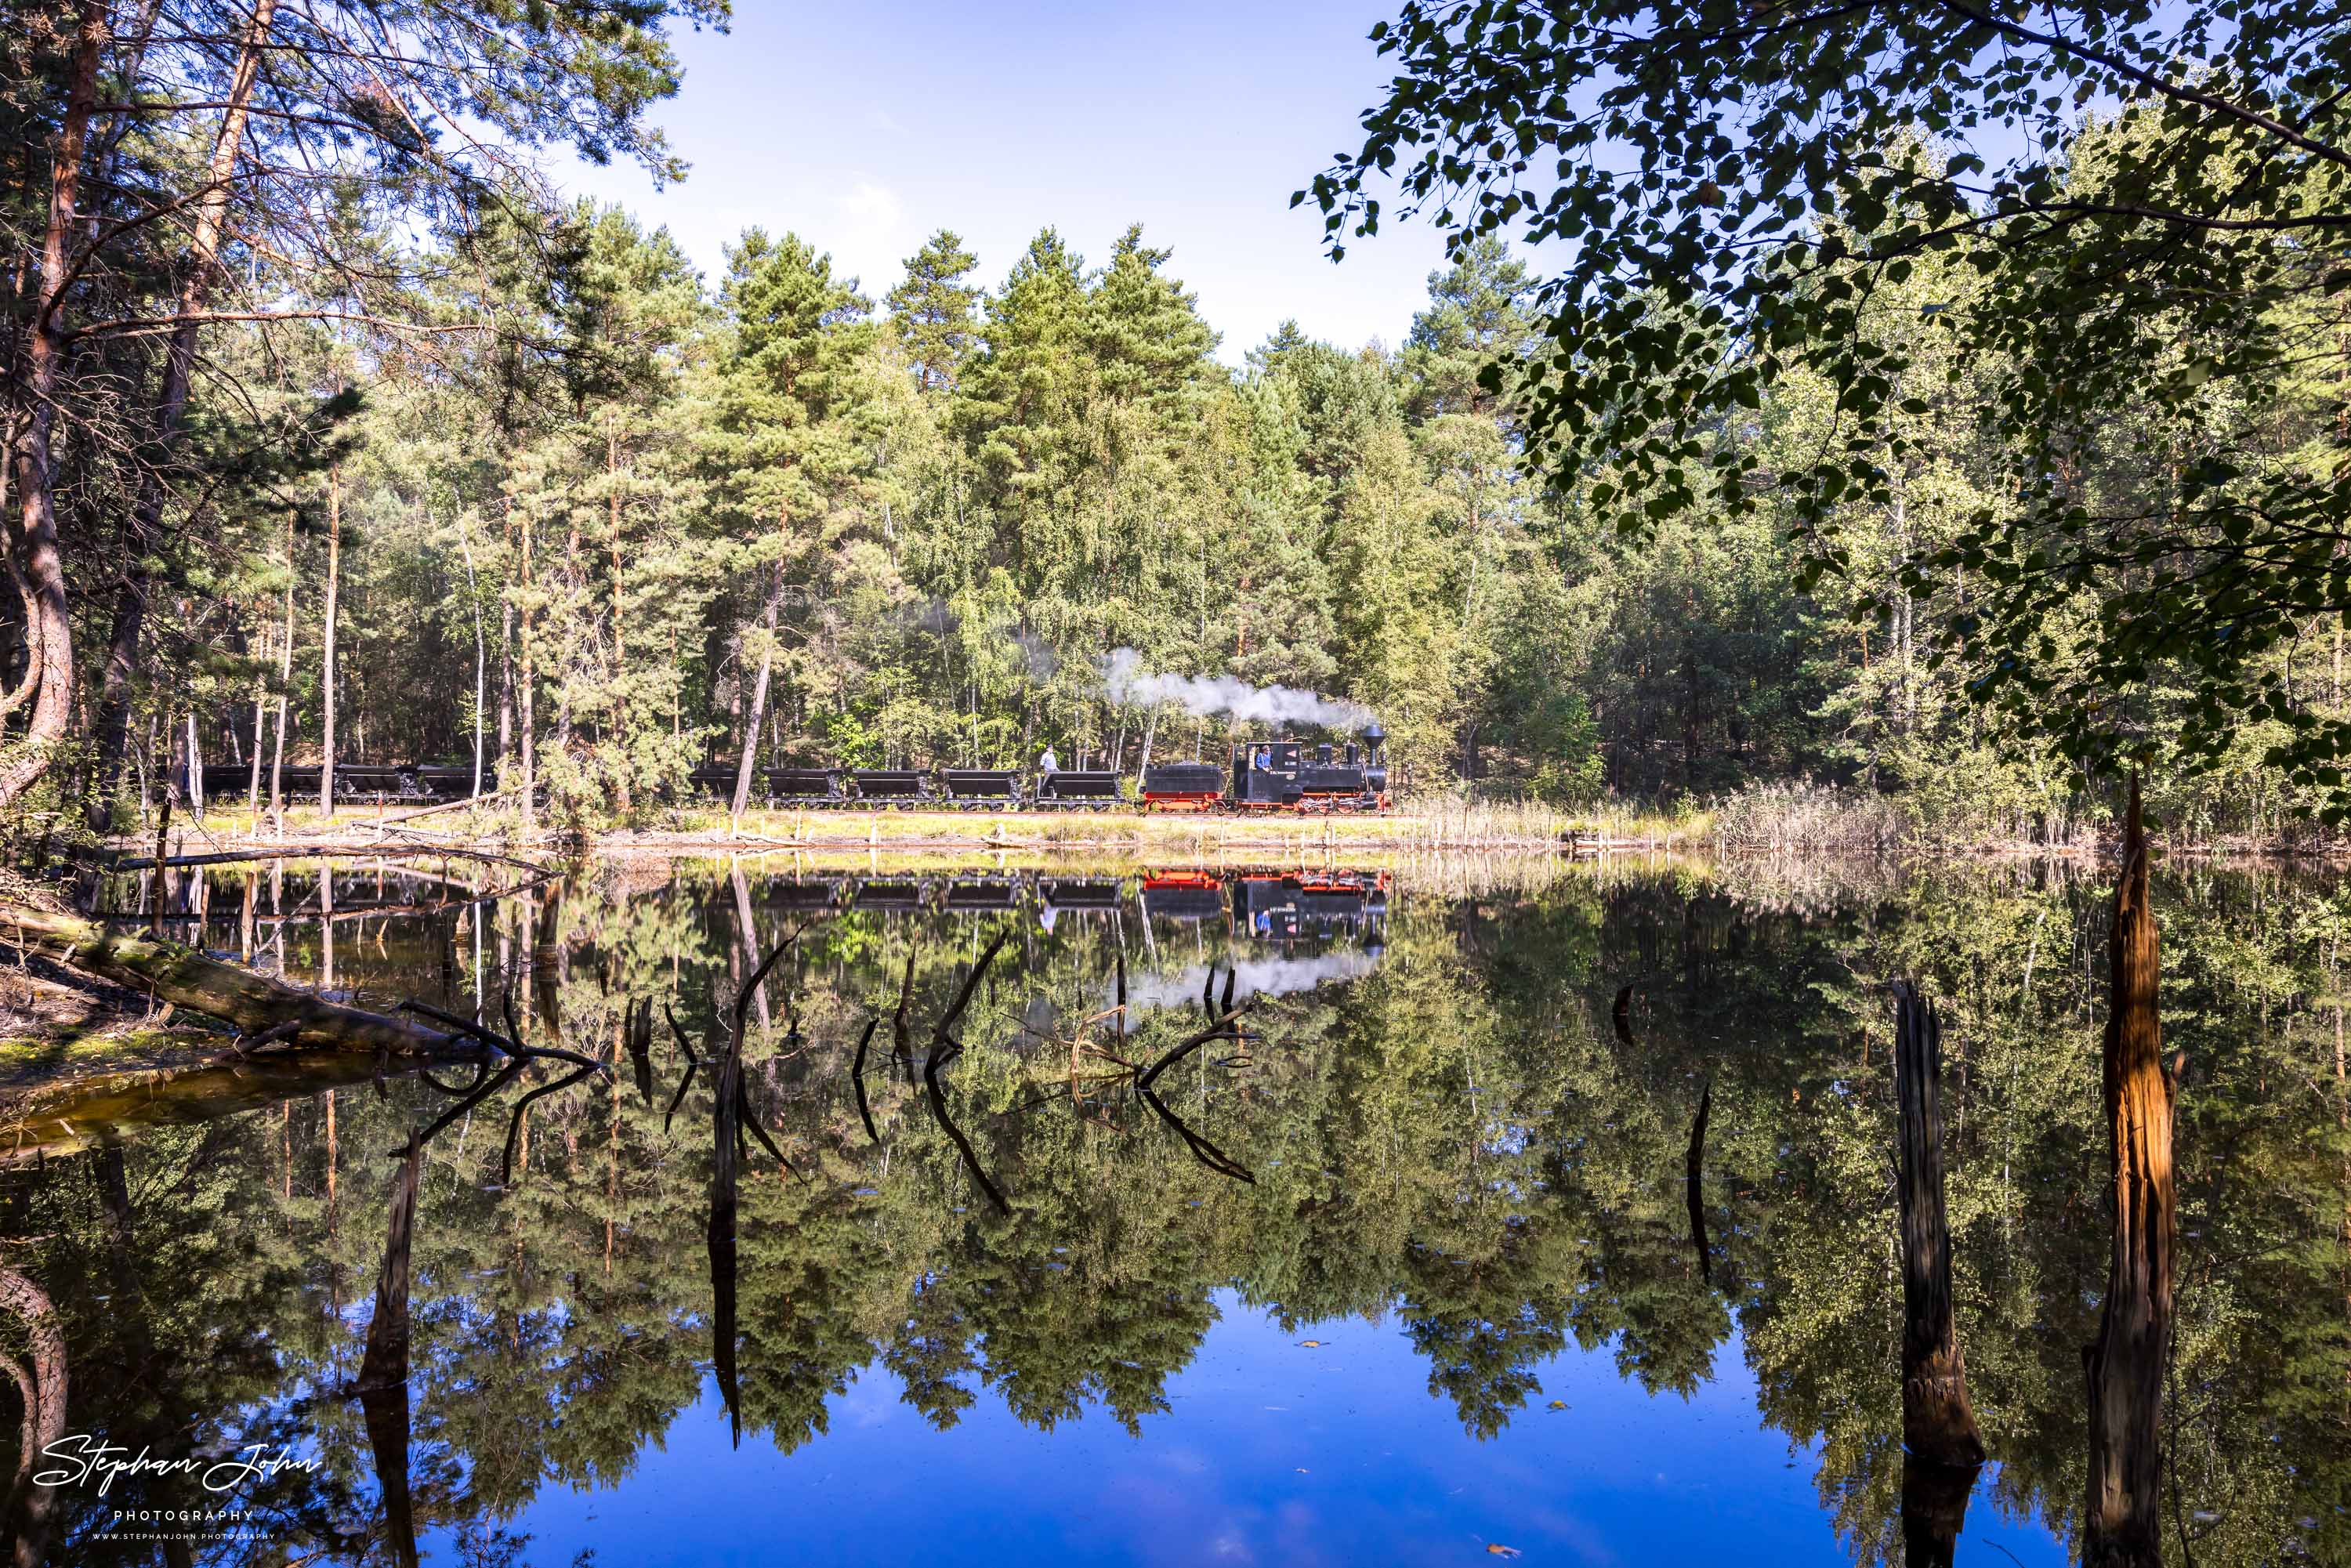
[[1130, 683], [1254, 977]]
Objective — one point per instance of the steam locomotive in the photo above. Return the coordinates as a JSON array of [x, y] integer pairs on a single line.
[[1276, 775]]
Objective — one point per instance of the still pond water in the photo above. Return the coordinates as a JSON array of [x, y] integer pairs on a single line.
[[1405, 1273]]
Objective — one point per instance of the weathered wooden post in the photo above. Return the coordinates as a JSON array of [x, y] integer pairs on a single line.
[[2125, 1362]]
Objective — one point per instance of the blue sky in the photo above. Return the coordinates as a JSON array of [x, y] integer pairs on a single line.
[[865, 127]]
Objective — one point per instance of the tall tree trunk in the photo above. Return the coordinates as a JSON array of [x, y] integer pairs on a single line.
[[2125, 1364], [44, 1386], [747, 766], [481, 649], [525, 682], [196, 770], [1934, 1510], [199, 266], [48, 638], [1938, 1422], [747, 940], [284, 687], [386, 1362], [620, 637], [260, 734], [327, 646]]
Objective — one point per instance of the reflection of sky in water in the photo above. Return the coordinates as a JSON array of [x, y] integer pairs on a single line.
[[1480, 1031], [1270, 1453]]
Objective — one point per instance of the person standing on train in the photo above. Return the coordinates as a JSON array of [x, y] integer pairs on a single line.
[[1049, 763]]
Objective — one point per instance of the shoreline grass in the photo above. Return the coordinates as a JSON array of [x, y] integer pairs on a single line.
[[1443, 824]]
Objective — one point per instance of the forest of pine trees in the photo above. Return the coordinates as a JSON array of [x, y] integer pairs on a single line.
[[334, 434]]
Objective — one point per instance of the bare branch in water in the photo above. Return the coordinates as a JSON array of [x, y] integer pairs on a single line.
[[945, 1048], [857, 1076], [513, 1128], [745, 1119], [506, 1074], [679, 1035], [1695, 1163], [751, 987], [1223, 1024], [513, 1046], [1221, 1028], [901, 1029], [693, 1063], [1206, 1153]]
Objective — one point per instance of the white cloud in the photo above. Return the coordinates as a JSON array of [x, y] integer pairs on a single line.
[[871, 236]]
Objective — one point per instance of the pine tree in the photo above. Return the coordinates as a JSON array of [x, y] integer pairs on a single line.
[[788, 442], [1144, 332], [1285, 340], [1475, 317], [1022, 391], [934, 311]]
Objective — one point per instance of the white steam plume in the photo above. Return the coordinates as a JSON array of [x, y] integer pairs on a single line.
[[1129, 683], [1272, 976]]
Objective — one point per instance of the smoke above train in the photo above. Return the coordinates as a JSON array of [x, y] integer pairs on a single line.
[[1129, 684]]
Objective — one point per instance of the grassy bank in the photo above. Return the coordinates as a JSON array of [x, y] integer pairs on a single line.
[[1434, 826]]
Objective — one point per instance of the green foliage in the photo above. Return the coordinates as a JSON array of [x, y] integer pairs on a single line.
[[932, 310], [2135, 311]]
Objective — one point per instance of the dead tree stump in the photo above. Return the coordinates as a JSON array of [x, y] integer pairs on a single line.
[[1939, 1423], [2125, 1364], [386, 1362]]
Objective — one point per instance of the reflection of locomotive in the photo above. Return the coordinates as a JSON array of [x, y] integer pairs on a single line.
[[1279, 906], [1282, 906]]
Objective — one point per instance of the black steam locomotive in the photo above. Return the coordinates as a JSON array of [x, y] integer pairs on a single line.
[[1279, 775]]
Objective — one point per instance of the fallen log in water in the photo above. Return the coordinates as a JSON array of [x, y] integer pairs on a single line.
[[257, 1004], [81, 1108]]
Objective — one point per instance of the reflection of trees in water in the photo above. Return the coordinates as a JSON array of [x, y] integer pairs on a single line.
[[1461, 1137]]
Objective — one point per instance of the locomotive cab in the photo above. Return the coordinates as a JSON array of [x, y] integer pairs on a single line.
[[1289, 775], [1265, 774]]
